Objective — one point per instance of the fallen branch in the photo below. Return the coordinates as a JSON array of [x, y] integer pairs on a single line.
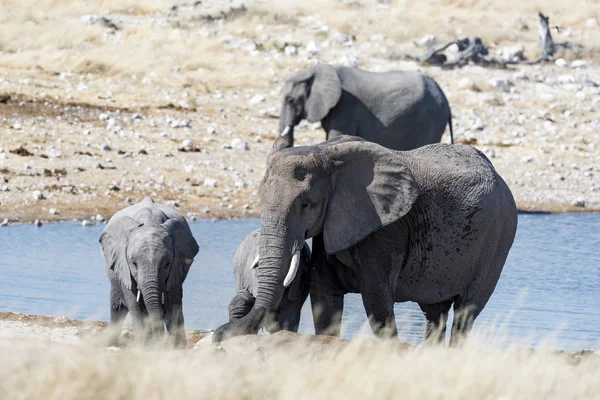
[[472, 50]]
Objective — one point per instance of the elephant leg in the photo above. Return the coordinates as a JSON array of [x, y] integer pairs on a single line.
[[326, 294], [174, 317], [436, 316], [118, 313], [139, 315], [240, 305]]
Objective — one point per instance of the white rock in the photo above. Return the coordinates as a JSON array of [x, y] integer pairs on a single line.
[[526, 159], [180, 123], [256, 99], [591, 23], [37, 223], [500, 83], [579, 64], [111, 124], [512, 53], [313, 47], [53, 153], [240, 183], [290, 50], [239, 144], [4, 222], [105, 147], [426, 41], [37, 195], [100, 218], [103, 116], [211, 130], [561, 62], [187, 144], [209, 182], [85, 223], [53, 211], [578, 202]]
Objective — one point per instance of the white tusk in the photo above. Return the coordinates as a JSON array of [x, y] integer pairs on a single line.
[[138, 296], [255, 262], [285, 131], [162, 297], [293, 270]]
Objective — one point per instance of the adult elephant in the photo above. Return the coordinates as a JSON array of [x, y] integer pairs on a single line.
[[432, 225], [398, 110], [297, 286], [147, 250]]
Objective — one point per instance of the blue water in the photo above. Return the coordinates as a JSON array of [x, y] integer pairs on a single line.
[[550, 286]]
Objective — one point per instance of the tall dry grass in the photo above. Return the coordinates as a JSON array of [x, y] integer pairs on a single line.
[[361, 370]]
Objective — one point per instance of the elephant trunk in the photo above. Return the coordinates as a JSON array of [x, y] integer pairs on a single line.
[[275, 255], [153, 301]]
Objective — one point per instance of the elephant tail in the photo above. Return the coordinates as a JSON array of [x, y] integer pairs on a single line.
[[451, 130]]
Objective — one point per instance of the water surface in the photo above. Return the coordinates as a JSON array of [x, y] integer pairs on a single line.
[[550, 286]]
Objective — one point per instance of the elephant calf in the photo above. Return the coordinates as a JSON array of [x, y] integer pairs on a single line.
[[432, 225], [297, 284], [399, 110], [147, 250]]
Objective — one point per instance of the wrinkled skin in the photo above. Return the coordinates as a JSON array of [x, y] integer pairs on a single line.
[[393, 226], [398, 110], [149, 248], [287, 315]]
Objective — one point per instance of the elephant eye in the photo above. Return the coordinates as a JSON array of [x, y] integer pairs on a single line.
[[304, 204], [289, 100]]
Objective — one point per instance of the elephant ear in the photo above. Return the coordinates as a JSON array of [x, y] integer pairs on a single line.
[[185, 249], [372, 187], [113, 243], [324, 93]]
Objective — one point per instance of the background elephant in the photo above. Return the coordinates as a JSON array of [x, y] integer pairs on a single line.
[[432, 225], [398, 110], [287, 315], [147, 250]]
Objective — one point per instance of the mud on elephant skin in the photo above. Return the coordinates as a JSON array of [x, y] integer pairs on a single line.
[[297, 285], [147, 250], [432, 225], [398, 110]]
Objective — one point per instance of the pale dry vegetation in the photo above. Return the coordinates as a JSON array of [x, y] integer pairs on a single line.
[[279, 367]]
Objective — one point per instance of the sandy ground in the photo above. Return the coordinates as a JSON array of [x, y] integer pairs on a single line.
[[93, 118]]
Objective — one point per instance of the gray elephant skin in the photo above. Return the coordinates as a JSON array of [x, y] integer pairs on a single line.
[[433, 225], [287, 315], [399, 110], [147, 250]]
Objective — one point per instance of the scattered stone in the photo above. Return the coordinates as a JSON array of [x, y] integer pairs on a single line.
[[180, 123], [500, 83], [290, 50], [137, 116], [513, 53], [206, 210], [240, 183], [103, 116], [561, 62], [521, 24], [128, 200], [209, 182], [211, 130], [579, 64], [591, 23], [37, 223], [38, 195], [578, 203], [187, 145], [239, 144], [4, 222], [256, 99], [426, 41], [105, 147], [313, 47], [172, 203], [53, 153], [100, 218], [53, 211], [86, 223], [114, 188], [526, 159]]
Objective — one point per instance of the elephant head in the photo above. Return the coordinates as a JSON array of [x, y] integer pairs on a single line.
[[309, 93], [149, 260], [345, 188]]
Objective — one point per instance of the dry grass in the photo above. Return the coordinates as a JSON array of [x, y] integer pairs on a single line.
[[295, 369]]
